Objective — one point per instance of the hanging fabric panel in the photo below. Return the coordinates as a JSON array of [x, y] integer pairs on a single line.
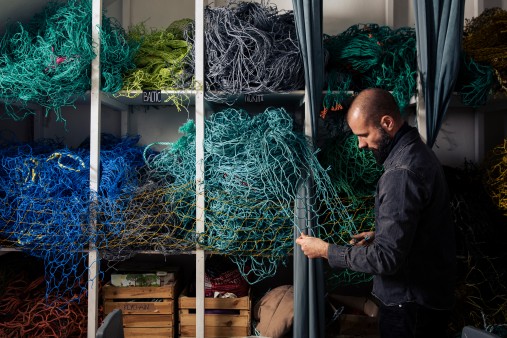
[[308, 273], [439, 30]]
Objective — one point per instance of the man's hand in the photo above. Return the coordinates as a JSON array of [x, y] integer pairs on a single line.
[[312, 247], [364, 238]]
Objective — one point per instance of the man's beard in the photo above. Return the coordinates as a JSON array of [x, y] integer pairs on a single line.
[[383, 149]]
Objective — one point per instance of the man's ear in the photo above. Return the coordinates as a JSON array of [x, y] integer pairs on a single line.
[[387, 123]]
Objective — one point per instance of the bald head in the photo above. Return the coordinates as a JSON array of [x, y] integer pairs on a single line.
[[372, 105]]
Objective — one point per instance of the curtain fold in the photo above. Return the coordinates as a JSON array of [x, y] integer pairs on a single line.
[[309, 288], [439, 31]]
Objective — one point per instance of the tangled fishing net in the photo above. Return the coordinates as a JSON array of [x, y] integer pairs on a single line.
[[26, 311], [495, 176], [354, 174], [367, 56], [45, 201], [256, 170], [251, 48], [47, 62], [262, 179], [481, 293], [475, 81], [485, 41], [162, 61]]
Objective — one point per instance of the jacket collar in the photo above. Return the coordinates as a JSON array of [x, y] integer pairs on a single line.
[[404, 136]]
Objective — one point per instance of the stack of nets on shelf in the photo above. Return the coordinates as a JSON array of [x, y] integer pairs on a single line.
[[46, 205], [163, 61], [367, 56], [256, 172], [257, 169], [47, 62], [484, 68], [250, 48]]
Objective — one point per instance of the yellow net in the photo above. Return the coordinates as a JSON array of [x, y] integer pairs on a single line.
[[496, 175]]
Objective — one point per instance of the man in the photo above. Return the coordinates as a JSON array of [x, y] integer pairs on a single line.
[[412, 251]]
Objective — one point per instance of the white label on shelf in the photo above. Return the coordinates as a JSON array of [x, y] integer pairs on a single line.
[[254, 98], [152, 96]]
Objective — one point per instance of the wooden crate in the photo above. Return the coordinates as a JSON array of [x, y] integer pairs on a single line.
[[235, 324], [148, 311]]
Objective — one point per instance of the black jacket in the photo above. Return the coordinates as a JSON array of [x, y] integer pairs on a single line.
[[413, 254]]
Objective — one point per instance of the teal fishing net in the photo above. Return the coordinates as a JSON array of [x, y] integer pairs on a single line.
[[370, 55], [354, 174], [256, 169], [48, 61]]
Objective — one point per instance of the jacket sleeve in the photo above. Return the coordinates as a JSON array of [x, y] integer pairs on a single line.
[[400, 199]]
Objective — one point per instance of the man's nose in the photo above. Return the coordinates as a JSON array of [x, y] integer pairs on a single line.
[[362, 144]]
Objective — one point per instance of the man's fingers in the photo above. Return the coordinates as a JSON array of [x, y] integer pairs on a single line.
[[301, 238], [357, 236]]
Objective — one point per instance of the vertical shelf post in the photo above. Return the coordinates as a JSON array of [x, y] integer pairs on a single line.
[[199, 161], [389, 13], [95, 127], [125, 21]]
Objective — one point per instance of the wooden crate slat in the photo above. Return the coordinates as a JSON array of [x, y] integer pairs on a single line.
[[236, 312], [148, 332], [161, 321], [136, 292], [154, 308], [235, 324], [215, 331], [225, 320], [240, 303]]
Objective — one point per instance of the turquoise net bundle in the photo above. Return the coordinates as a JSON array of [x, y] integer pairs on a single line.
[[354, 174], [256, 169], [48, 61], [475, 81], [369, 55]]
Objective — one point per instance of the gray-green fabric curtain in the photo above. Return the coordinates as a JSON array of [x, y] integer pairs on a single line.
[[439, 30], [309, 285]]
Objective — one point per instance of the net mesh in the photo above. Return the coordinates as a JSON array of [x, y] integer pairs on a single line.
[[485, 40], [495, 175], [370, 55], [47, 62], [257, 170], [162, 61], [480, 293], [250, 48]]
